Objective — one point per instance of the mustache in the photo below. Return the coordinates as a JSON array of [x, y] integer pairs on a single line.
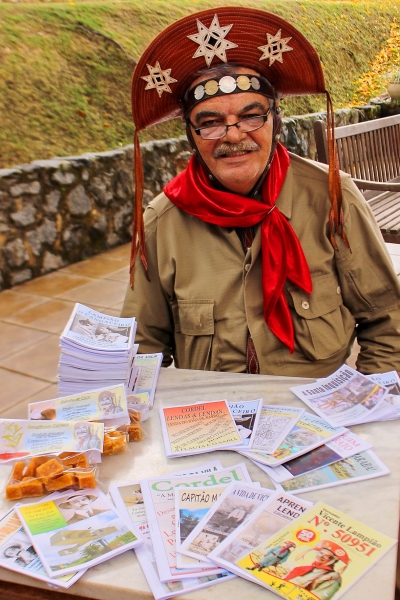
[[227, 149]]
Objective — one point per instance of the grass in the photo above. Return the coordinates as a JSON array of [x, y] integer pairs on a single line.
[[63, 92]]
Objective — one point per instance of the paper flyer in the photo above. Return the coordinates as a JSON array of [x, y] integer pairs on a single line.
[[196, 428], [246, 414], [108, 405], [76, 530], [232, 509], [17, 553], [274, 425], [280, 509], [159, 498], [342, 447], [365, 465], [321, 555], [309, 432], [190, 508], [97, 330], [149, 369], [23, 439], [344, 398]]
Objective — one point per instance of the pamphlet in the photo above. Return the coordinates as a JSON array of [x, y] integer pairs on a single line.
[[76, 530], [279, 510], [159, 498], [246, 414], [107, 405], [234, 506], [23, 439], [196, 428], [345, 398], [274, 425], [321, 555], [148, 366], [17, 553], [309, 432], [365, 465], [342, 447]]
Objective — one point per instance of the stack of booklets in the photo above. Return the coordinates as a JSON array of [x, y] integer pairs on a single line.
[[58, 538], [205, 525], [97, 351]]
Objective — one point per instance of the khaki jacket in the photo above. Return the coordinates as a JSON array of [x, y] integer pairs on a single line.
[[204, 293]]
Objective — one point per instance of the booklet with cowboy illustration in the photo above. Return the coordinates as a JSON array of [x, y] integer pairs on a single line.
[[232, 508], [365, 465], [76, 530], [320, 555], [128, 499], [159, 498], [270, 516], [23, 439], [309, 432], [345, 398], [17, 553], [196, 428], [107, 405], [340, 448]]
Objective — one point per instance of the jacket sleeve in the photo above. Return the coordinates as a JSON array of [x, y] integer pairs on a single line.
[[148, 302], [370, 288]]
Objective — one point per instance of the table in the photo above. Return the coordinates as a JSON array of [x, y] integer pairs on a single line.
[[375, 502]]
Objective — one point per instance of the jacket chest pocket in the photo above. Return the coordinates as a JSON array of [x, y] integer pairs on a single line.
[[323, 325], [194, 334]]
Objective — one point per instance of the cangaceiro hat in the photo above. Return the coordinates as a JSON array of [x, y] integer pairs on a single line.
[[246, 37]]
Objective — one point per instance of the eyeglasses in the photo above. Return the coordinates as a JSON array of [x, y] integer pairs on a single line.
[[215, 132]]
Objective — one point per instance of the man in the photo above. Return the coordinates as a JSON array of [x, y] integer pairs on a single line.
[[274, 557], [108, 405], [252, 260]]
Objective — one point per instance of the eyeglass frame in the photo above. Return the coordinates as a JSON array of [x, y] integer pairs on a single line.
[[199, 129]]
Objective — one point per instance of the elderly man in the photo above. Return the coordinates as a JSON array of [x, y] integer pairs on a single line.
[[252, 260]]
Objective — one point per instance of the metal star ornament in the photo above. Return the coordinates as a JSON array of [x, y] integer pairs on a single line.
[[212, 41], [158, 79], [275, 48]]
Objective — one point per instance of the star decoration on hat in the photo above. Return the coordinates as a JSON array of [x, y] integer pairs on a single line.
[[275, 48], [212, 41], [158, 79]]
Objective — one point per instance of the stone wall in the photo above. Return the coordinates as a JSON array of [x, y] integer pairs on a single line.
[[56, 212]]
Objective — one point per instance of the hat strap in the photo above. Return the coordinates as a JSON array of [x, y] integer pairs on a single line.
[[138, 238]]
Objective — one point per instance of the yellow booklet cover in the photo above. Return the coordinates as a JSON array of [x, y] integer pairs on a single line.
[[317, 556]]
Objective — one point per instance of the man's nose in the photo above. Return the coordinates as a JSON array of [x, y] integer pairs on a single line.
[[234, 134]]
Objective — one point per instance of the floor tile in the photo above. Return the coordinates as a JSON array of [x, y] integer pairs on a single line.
[[98, 266], [15, 338], [51, 316], [16, 387], [100, 292], [20, 410], [54, 284], [11, 301], [121, 275], [39, 360], [123, 251]]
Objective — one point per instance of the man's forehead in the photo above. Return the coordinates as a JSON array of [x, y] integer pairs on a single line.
[[219, 106]]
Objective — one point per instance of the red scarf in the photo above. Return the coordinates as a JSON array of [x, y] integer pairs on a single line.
[[282, 256]]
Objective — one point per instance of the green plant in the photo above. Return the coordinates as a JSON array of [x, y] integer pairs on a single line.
[[395, 77]]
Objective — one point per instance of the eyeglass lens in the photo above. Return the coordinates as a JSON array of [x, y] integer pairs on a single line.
[[218, 131]]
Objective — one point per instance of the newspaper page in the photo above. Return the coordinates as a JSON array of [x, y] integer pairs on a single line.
[[76, 530], [309, 432], [274, 425], [266, 520], [17, 553], [159, 497], [321, 555], [365, 465], [342, 447], [345, 398], [234, 506]]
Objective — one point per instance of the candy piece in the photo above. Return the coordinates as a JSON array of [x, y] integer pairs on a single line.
[[30, 486], [58, 483], [13, 491], [18, 471], [76, 459], [135, 432], [51, 468], [114, 442], [134, 415], [86, 479], [48, 414]]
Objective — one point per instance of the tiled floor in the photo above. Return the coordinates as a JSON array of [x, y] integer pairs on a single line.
[[33, 315]]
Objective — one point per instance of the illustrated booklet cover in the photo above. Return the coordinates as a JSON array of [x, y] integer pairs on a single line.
[[274, 425], [320, 555], [18, 554], [76, 530]]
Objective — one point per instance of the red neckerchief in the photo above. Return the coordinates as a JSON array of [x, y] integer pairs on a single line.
[[282, 256], [300, 571]]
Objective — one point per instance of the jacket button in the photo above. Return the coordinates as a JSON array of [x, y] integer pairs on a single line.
[[305, 305], [338, 290], [247, 267]]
